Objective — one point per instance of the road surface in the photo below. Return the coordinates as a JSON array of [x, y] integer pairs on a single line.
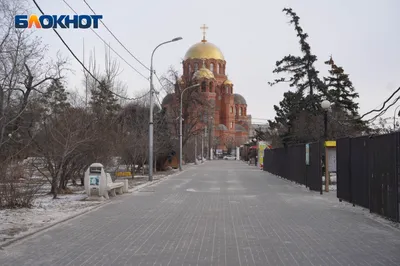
[[218, 213]]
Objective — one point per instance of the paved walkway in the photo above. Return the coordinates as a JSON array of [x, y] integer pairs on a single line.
[[219, 213]]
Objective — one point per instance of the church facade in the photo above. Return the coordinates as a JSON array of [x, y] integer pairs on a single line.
[[205, 63]]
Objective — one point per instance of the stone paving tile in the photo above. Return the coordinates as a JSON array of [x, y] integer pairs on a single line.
[[219, 213]]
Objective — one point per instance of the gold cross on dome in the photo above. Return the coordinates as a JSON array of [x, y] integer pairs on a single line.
[[204, 28]]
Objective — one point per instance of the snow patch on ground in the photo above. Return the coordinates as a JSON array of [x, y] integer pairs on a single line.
[[45, 211]]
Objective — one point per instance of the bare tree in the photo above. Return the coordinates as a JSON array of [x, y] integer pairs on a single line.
[[134, 123], [24, 72], [196, 108], [111, 72], [62, 141]]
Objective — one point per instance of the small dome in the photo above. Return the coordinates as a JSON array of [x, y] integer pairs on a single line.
[[168, 99], [222, 127], [239, 99], [228, 82], [180, 81], [203, 72], [204, 50], [240, 128]]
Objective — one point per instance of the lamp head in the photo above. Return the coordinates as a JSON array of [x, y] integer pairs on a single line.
[[176, 39], [325, 104]]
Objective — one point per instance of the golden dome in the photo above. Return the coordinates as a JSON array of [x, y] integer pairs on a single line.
[[228, 82], [203, 72], [204, 50]]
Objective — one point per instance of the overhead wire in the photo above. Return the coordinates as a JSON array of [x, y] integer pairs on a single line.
[[159, 81], [109, 46], [80, 62], [383, 105], [105, 26], [385, 110]]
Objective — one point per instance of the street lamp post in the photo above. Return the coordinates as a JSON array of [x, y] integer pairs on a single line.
[[151, 108], [210, 131], [202, 145], [394, 117], [180, 125], [325, 104], [195, 149], [255, 157]]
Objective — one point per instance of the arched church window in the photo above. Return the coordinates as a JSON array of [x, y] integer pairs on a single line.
[[245, 111], [211, 87], [203, 86], [231, 109], [241, 111], [226, 89], [212, 67], [218, 68], [196, 66], [231, 124]]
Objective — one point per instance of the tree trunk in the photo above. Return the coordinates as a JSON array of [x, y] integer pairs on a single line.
[[54, 188], [132, 167], [54, 185]]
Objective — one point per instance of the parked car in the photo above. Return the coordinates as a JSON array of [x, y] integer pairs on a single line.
[[229, 157]]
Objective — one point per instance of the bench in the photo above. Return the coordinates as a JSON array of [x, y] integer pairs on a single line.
[[114, 187]]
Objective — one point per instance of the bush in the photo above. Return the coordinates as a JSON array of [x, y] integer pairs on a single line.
[[17, 190]]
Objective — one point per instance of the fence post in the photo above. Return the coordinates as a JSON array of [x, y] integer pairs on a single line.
[[320, 165], [350, 175], [397, 180], [370, 165]]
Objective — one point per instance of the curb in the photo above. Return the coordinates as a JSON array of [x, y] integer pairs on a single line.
[[135, 189]]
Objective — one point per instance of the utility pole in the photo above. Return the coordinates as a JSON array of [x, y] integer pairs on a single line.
[[150, 162]]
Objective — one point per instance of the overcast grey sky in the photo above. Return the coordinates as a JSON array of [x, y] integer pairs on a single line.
[[362, 35]]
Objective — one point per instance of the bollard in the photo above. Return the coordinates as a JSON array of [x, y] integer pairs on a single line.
[[126, 186]]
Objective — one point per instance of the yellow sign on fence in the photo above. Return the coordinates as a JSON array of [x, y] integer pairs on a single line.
[[330, 143], [123, 174]]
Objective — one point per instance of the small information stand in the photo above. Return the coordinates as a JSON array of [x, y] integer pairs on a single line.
[[96, 181]]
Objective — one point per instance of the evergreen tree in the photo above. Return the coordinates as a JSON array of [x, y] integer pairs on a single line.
[[340, 90], [301, 69], [286, 113], [55, 99], [103, 102]]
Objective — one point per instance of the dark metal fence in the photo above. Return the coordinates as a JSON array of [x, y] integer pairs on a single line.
[[368, 173], [290, 163]]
